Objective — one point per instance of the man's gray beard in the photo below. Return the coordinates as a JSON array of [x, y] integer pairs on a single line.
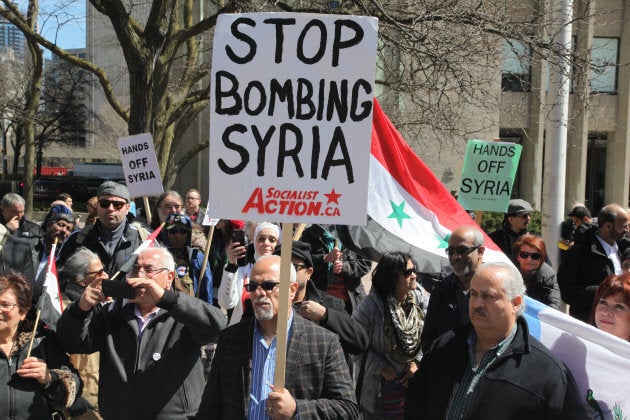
[[464, 271], [263, 314]]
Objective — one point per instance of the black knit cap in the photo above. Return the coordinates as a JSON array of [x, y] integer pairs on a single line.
[[299, 249]]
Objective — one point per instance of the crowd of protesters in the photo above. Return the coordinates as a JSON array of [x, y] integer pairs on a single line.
[[166, 331]]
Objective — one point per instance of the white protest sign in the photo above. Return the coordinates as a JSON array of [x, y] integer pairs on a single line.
[[207, 217], [142, 173], [291, 117]]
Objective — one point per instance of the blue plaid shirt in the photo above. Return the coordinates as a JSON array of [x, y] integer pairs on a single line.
[[263, 371]]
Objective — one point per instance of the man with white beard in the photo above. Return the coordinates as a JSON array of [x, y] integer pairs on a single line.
[[240, 383], [448, 305]]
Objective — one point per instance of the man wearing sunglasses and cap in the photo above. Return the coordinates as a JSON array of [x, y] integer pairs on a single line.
[[113, 237], [515, 224]]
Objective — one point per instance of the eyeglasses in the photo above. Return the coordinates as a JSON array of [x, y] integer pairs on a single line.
[[106, 203], [7, 307], [172, 207], [181, 231], [524, 255], [460, 250], [408, 272], [97, 272], [299, 267], [267, 286], [149, 273]]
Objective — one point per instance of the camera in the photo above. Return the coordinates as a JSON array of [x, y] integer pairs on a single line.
[[117, 288]]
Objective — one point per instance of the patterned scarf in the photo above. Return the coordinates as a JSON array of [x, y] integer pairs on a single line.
[[403, 325]]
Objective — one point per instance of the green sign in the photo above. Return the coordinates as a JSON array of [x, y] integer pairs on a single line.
[[488, 175]]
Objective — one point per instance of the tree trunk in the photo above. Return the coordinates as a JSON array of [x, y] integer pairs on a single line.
[[32, 104]]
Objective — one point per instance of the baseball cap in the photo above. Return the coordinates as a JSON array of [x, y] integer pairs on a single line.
[[519, 206]]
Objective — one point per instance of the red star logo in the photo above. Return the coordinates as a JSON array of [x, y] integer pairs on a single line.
[[333, 197]]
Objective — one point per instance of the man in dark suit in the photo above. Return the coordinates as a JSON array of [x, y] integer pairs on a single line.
[[317, 380], [596, 255]]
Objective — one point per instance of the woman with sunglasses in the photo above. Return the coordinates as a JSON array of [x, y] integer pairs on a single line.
[[530, 254], [177, 236], [611, 306], [393, 316], [34, 381]]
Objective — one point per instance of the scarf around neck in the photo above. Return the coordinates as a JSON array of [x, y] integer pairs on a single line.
[[403, 325]]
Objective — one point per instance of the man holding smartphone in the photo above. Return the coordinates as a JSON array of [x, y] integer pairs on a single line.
[[150, 345]]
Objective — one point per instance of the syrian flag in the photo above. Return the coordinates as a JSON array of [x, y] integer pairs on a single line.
[[51, 284], [408, 207]]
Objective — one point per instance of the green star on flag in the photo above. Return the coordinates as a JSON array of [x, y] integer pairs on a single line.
[[398, 213], [443, 243]]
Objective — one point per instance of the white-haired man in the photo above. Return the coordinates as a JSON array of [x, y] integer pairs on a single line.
[[493, 368], [150, 364]]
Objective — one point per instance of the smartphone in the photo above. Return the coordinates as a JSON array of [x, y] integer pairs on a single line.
[[238, 235], [118, 288]]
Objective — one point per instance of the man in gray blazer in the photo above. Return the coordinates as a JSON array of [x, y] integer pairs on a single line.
[[317, 380]]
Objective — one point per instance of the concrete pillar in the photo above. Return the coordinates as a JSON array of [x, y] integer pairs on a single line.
[[531, 166]]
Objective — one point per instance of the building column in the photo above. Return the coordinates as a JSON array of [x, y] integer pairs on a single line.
[[531, 167], [618, 145]]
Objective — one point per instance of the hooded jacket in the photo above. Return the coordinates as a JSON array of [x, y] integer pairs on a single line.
[[195, 262]]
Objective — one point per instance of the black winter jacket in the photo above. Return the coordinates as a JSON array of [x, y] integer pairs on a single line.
[[448, 309], [583, 268], [354, 339], [89, 238], [525, 382], [25, 398], [160, 375]]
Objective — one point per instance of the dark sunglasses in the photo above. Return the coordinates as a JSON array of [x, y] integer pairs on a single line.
[[182, 231], [106, 203], [460, 250], [524, 255], [267, 286], [408, 272]]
